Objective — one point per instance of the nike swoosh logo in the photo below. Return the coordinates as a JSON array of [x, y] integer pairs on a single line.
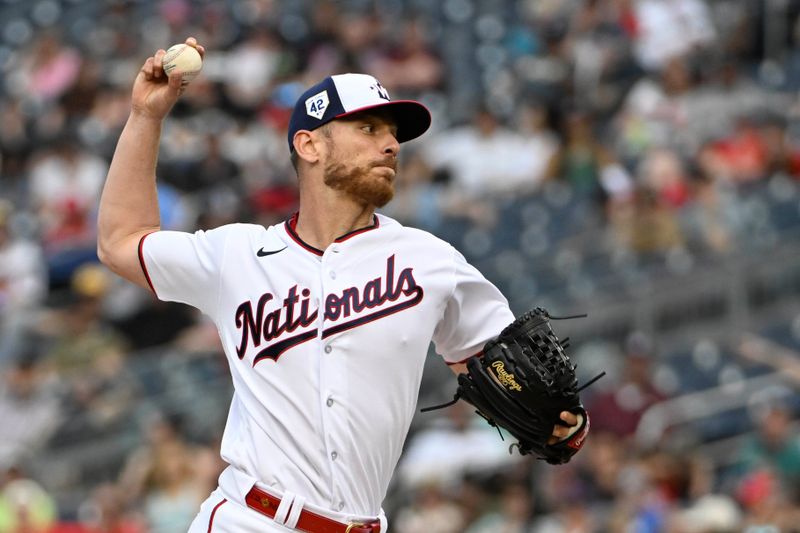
[[262, 253]]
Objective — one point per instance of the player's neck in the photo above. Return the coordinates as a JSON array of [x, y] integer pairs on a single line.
[[319, 223]]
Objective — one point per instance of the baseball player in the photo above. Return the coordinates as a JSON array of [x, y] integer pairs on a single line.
[[325, 319]]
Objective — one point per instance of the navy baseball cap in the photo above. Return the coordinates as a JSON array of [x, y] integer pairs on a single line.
[[346, 94]]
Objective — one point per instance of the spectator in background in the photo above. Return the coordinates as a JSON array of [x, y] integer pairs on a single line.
[[341, 40], [164, 477], [600, 477], [646, 226], [741, 157], [601, 33], [431, 512], [78, 333], [160, 433], [260, 58], [775, 448], [711, 220], [657, 112], [50, 68], [16, 143], [781, 155], [617, 407], [100, 126], [87, 357], [257, 149], [82, 95], [580, 496], [409, 65], [725, 96], [581, 158], [25, 507], [323, 54], [157, 324], [167, 476], [213, 174], [475, 497], [767, 507], [65, 187], [514, 514], [23, 281], [663, 172], [105, 512], [547, 75], [540, 145], [418, 195], [716, 513], [30, 409], [358, 41], [570, 516], [665, 29], [484, 159], [459, 445], [171, 496]]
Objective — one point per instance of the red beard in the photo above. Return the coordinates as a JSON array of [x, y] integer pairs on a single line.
[[357, 183]]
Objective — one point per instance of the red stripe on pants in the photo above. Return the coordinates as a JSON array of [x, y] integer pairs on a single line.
[[211, 520]]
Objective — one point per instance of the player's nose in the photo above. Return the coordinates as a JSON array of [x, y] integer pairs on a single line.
[[391, 146]]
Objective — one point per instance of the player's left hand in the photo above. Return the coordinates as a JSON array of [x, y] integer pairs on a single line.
[[562, 432], [525, 383]]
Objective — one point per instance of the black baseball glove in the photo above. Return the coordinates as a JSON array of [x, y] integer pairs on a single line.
[[522, 383]]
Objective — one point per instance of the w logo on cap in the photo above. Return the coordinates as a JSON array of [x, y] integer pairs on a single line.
[[380, 90]]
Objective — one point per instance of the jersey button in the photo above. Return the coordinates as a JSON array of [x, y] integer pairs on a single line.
[[329, 403], [334, 455], [341, 505], [333, 274], [328, 348]]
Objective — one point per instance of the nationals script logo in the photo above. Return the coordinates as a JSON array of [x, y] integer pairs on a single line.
[[295, 312]]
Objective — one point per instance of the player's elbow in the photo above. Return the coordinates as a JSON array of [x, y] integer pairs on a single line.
[[107, 255], [105, 247], [121, 253], [104, 253]]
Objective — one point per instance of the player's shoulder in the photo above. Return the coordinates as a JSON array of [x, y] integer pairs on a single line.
[[417, 237]]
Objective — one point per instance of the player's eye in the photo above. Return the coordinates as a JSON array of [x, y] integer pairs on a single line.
[[368, 128]]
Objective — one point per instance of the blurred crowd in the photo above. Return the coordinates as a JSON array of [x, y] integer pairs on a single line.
[[662, 114]]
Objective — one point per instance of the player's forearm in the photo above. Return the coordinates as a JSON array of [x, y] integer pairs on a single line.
[[129, 203]]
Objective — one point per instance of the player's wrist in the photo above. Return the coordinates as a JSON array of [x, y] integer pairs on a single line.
[[145, 117]]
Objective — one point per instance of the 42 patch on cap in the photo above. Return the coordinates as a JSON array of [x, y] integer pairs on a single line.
[[317, 105]]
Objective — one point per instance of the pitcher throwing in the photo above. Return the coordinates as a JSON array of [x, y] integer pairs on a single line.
[[325, 319]]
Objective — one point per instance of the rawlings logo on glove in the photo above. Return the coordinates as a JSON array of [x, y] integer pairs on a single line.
[[505, 379]]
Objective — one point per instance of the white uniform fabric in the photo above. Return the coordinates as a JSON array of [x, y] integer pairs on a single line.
[[326, 348]]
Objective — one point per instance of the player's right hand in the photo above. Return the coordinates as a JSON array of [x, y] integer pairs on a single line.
[[154, 93]]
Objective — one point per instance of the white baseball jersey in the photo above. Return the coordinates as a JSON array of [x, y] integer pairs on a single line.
[[326, 348]]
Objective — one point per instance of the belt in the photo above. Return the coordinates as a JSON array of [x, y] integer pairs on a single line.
[[310, 522]]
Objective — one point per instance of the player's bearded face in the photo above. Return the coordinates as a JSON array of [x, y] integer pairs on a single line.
[[367, 183]]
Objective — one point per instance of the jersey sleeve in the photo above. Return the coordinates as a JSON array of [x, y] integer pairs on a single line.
[[185, 267], [475, 312]]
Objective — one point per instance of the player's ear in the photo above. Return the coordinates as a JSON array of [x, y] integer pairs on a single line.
[[306, 147]]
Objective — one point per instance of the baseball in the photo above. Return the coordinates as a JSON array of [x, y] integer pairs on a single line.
[[183, 58]]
